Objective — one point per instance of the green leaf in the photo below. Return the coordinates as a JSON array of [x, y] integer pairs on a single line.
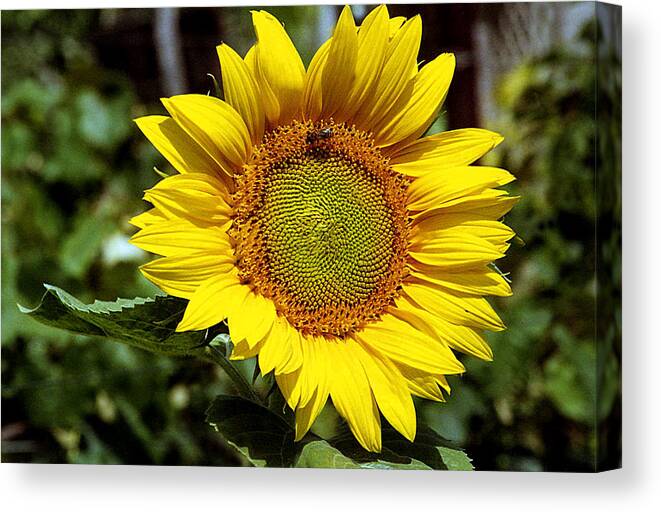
[[266, 438], [102, 120], [147, 323], [455, 459], [321, 454], [429, 451], [82, 245], [263, 437]]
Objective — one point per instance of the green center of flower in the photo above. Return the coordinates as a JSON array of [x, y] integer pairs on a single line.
[[327, 228], [321, 227]]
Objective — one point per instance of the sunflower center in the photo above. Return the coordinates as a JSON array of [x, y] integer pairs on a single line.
[[321, 226]]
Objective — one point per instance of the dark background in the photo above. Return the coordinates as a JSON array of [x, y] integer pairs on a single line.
[[74, 167]]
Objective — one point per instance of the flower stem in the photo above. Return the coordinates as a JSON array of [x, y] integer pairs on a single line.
[[242, 385]]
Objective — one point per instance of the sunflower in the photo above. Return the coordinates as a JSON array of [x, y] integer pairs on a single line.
[[348, 254]]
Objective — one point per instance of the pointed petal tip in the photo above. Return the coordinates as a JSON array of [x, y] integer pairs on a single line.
[[166, 102], [300, 433], [410, 434], [181, 327], [416, 21], [263, 15], [382, 7], [449, 57], [374, 446]]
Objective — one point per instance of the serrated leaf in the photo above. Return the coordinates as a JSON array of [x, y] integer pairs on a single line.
[[147, 323], [263, 437], [266, 438], [320, 454], [429, 451], [455, 459]]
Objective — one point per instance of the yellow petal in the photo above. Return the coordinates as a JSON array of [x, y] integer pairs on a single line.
[[173, 143], [263, 317], [396, 75], [296, 353], [443, 382], [276, 349], [422, 384], [435, 188], [251, 61], [454, 220], [455, 308], [180, 238], [315, 372], [241, 351], [420, 350], [413, 112], [474, 282], [181, 275], [312, 372], [196, 197], [459, 337], [455, 148], [253, 320], [215, 126], [281, 351], [339, 69], [372, 47], [455, 251], [351, 394], [306, 415], [241, 91], [236, 321], [312, 89], [395, 24], [390, 391], [287, 382], [487, 204], [429, 230], [465, 339], [148, 218], [279, 70], [212, 302]]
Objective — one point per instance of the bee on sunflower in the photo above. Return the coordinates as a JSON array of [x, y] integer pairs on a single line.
[[344, 251]]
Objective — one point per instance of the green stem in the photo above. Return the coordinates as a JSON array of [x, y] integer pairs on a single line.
[[244, 388]]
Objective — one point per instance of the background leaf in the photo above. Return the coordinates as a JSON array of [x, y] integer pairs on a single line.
[[429, 451], [147, 323], [263, 437], [266, 438], [83, 244], [63, 163], [321, 454]]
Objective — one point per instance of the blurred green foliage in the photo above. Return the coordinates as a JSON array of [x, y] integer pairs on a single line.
[[535, 406], [73, 171]]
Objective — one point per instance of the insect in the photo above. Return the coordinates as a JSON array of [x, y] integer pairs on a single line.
[[317, 135]]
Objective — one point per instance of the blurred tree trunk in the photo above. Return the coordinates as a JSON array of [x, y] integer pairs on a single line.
[[448, 28], [167, 39]]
